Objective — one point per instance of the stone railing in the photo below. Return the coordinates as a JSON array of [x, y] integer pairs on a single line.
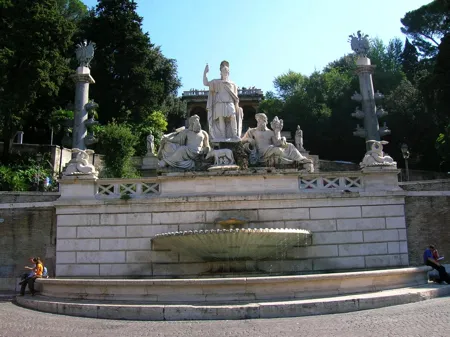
[[241, 92], [114, 189], [199, 184], [344, 183]]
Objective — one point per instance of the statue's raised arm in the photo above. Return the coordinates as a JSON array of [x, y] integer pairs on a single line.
[[205, 78]]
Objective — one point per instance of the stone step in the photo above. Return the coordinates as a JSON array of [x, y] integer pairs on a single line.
[[6, 296], [134, 310]]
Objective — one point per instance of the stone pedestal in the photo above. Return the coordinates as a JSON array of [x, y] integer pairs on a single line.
[[149, 162], [381, 178], [78, 187], [82, 79], [149, 165], [240, 156]]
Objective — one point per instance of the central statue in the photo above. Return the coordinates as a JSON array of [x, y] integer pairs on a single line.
[[224, 114]]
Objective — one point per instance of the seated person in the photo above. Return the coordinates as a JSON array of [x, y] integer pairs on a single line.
[[37, 273], [429, 258]]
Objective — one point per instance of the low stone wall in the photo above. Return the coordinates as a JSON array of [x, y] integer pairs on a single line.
[[427, 185], [428, 222], [28, 229], [27, 197]]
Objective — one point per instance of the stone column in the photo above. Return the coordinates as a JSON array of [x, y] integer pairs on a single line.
[[369, 114], [82, 80], [365, 70]]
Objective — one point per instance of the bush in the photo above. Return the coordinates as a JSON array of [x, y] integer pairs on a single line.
[[26, 175], [156, 124], [117, 142]]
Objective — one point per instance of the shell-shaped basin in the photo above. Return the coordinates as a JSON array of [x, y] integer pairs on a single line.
[[235, 244]]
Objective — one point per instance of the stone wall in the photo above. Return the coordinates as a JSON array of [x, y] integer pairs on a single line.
[[28, 229], [27, 197], [112, 238], [351, 230], [427, 213], [427, 185], [428, 222]]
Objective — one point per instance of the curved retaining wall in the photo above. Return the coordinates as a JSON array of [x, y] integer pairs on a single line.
[[233, 289]]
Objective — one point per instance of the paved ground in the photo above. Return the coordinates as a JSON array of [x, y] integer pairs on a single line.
[[427, 318]]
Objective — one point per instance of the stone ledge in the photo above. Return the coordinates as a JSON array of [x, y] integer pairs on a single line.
[[196, 290], [218, 311], [235, 197]]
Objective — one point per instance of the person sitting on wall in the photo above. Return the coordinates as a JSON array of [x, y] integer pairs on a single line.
[[37, 273], [430, 258], [25, 276]]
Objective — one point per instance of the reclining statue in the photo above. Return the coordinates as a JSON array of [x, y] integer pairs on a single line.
[[79, 165], [182, 149], [376, 157], [270, 148]]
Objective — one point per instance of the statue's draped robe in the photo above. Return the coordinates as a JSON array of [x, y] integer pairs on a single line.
[[285, 152], [175, 151], [221, 103]]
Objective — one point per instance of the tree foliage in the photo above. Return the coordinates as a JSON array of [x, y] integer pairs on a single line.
[[34, 39], [117, 143], [133, 78], [73, 10], [426, 25]]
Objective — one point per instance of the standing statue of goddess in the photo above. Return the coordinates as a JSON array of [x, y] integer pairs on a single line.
[[224, 114], [150, 145], [299, 139]]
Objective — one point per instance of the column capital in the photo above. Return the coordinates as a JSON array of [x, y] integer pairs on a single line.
[[365, 69], [83, 78]]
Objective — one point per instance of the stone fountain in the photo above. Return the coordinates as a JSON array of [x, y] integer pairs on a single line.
[[156, 245], [234, 242]]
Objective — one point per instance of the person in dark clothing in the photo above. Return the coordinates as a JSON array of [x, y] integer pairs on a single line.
[[429, 258]]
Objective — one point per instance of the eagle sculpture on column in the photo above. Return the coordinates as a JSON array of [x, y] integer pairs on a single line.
[[85, 53]]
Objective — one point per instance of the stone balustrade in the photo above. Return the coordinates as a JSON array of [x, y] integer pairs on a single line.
[[241, 92], [261, 181], [114, 189]]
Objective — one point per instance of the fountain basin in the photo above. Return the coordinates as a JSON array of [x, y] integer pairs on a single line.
[[235, 244]]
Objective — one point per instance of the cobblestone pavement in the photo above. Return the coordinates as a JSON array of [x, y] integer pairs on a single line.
[[427, 318]]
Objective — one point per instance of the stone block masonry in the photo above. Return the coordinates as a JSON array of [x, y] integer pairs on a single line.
[[113, 238]]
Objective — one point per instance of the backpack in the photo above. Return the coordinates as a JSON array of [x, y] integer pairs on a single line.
[[44, 272]]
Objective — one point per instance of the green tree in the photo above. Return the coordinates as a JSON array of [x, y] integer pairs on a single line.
[[117, 143], [271, 105], [34, 40], [388, 60], [443, 148], [410, 60], [154, 124], [174, 110], [438, 101], [74, 10], [440, 82], [133, 78], [426, 25]]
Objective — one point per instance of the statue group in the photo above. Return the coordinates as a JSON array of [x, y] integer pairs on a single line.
[[190, 148]]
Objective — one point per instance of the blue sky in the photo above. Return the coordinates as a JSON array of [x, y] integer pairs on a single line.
[[263, 39]]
